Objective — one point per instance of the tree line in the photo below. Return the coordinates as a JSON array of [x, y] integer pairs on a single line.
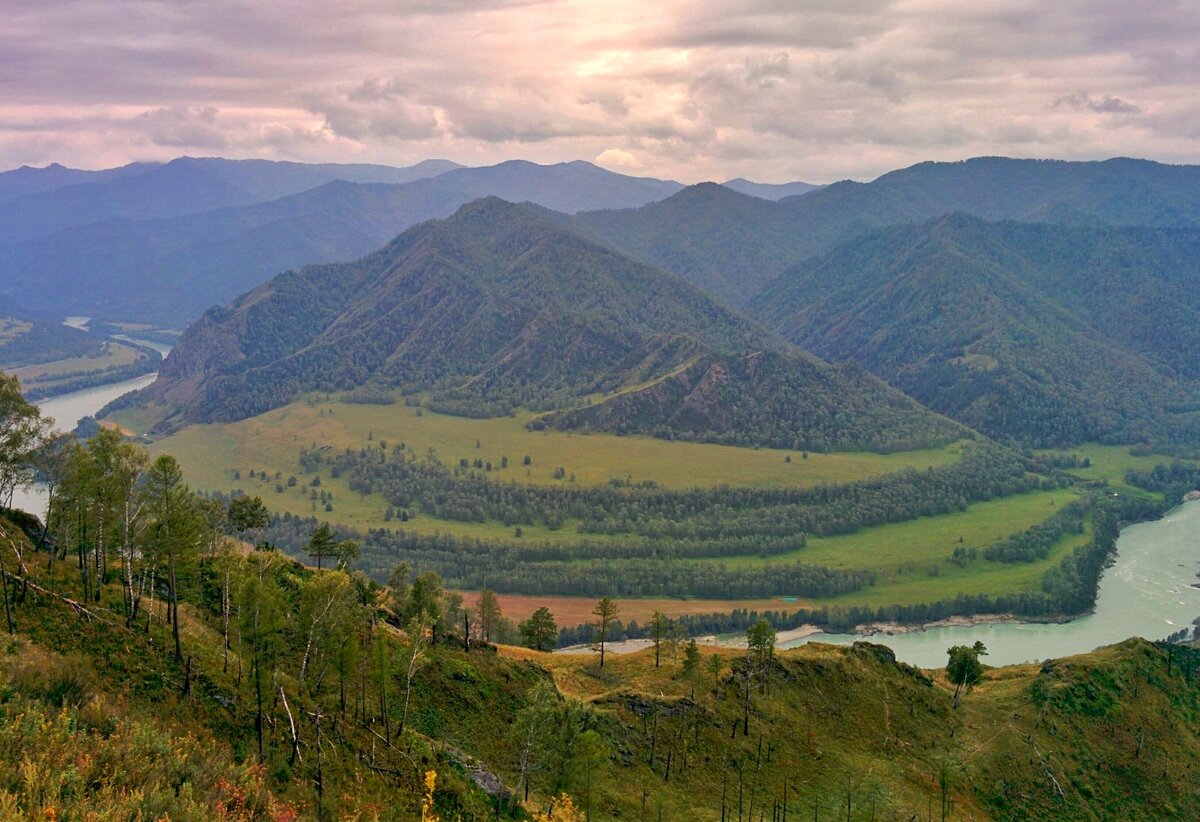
[[466, 494]]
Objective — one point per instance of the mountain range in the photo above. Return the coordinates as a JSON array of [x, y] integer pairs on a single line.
[[39, 203], [1048, 335], [162, 243], [165, 245], [769, 191], [733, 245], [1043, 303], [497, 308]]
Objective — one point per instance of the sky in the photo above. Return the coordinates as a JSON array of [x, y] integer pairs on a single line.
[[772, 90]]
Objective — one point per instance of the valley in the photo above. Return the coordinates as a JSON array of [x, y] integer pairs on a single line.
[[599, 412], [911, 562], [915, 433]]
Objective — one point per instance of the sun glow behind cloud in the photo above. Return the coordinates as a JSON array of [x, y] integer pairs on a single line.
[[773, 89]]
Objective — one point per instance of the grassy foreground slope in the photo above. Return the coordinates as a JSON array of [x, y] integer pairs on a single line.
[[97, 718]]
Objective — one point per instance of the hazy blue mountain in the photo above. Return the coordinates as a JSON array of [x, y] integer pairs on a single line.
[[29, 180], [187, 185], [169, 271], [769, 191], [1047, 335], [498, 308], [566, 187]]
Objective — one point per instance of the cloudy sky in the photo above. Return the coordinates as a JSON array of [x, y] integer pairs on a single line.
[[773, 90]]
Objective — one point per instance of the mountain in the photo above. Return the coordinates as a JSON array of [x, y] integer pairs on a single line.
[[30, 180], [769, 191], [497, 308], [188, 185], [1047, 335], [169, 271], [727, 243], [567, 187], [732, 248]]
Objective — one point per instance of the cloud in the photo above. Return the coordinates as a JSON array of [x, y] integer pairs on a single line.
[[186, 126], [765, 71], [702, 89], [617, 159], [1081, 101]]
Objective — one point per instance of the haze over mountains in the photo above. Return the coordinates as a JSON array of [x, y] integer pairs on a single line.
[[769, 191], [39, 203], [165, 245], [733, 245]]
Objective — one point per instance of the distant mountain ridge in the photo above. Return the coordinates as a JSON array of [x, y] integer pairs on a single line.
[[733, 248], [769, 191], [37, 203], [497, 308], [1047, 335], [171, 270]]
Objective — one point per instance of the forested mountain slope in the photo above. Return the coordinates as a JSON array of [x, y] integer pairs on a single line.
[[1046, 335], [733, 247], [497, 308]]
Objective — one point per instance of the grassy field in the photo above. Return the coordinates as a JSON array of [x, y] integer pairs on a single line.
[[273, 441], [212, 454], [10, 328], [47, 375], [910, 560], [1110, 463]]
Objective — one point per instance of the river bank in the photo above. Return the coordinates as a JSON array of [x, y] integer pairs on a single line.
[[1148, 590]]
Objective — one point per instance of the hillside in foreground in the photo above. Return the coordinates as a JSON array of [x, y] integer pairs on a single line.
[[821, 730]]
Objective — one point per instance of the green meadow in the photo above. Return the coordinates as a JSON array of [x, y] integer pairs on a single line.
[[911, 560], [272, 442]]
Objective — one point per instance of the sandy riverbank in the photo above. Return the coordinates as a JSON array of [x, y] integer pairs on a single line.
[[628, 646]]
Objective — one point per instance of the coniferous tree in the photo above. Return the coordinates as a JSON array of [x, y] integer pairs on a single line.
[[322, 543], [606, 617], [540, 631]]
